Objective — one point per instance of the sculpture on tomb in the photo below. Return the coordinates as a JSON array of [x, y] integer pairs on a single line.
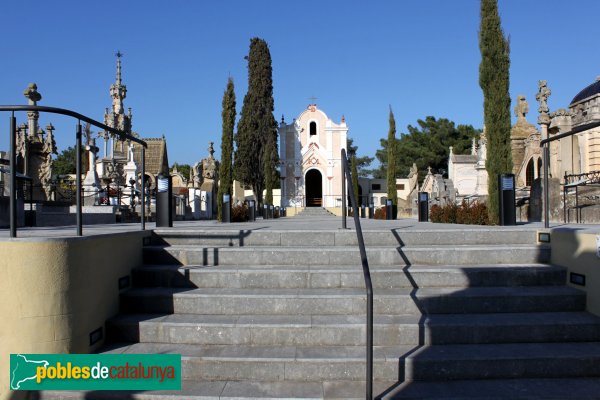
[[522, 108], [209, 165], [34, 151], [542, 98], [45, 169]]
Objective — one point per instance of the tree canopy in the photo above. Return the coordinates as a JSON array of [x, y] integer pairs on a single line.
[[362, 163], [427, 145], [183, 169], [64, 163]]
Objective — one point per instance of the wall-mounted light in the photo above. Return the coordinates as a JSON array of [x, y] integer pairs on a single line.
[[96, 336], [577, 279], [544, 237]]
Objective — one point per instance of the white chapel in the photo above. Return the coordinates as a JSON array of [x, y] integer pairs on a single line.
[[310, 159]]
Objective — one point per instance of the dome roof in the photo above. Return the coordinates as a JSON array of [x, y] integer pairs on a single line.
[[589, 91]]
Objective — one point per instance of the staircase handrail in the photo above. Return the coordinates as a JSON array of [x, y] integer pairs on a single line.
[[347, 174]]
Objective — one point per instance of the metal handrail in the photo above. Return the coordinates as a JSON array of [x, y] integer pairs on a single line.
[[63, 111], [78, 148], [365, 266], [572, 132]]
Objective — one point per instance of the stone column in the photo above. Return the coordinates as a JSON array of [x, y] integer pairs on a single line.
[[544, 121]]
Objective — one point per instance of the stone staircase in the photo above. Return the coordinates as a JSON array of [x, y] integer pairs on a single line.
[[471, 313], [314, 212]]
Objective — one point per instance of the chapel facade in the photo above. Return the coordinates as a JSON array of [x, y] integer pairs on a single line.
[[310, 159]]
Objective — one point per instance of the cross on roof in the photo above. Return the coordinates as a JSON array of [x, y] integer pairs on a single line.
[[312, 99]]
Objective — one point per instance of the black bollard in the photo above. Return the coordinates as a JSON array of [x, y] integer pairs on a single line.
[[226, 209], [252, 210]]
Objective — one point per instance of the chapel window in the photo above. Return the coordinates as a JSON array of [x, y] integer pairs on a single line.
[[313, 128]]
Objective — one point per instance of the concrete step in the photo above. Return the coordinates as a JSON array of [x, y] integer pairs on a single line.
[[278, 363], [236, 390], [403, 363], [341, 255], [504, 361], [344, 276], [345, 330], [314, 211], [303, 238], [352, 301], [514, 389]]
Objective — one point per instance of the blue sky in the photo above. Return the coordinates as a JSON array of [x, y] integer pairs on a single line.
[[357, 58]]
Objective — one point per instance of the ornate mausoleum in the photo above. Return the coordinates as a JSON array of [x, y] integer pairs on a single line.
[[310, 163]]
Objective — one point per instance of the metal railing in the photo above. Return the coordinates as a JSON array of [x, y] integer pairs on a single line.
[[78, 148], [574, 181], [546, 161], [346, 172]]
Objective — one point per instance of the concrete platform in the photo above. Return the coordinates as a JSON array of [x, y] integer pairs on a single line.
[[286, 224]]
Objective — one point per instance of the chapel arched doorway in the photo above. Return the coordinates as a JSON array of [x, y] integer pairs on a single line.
[[314, 188]]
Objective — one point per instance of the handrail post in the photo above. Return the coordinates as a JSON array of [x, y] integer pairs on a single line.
[[143, 190], [546, 157], [344, 189], [13, 176], [78, 179]]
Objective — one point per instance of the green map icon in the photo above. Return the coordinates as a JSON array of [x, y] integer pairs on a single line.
[[23, 369]]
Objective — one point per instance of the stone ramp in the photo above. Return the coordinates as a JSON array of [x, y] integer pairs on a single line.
[[281, 314]]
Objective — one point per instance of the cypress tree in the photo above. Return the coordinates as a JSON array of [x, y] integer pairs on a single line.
[[269, 169], [257, 125], [225, 171], [494, 81], [354, 170], [391, 166]]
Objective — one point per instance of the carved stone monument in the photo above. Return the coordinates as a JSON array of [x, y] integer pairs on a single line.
[[35, 149], [91, 183], [522, 135], [204, 189]]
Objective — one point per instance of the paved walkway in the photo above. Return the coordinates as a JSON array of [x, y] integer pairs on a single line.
[[302, 223]]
